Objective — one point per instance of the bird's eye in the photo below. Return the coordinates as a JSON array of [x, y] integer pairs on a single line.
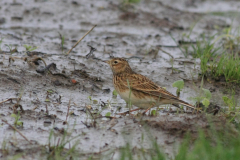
[[115, 62]]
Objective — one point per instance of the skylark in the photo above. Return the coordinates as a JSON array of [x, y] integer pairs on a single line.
[[138, 90]]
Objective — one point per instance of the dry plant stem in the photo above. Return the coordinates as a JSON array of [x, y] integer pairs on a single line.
[[3, 57], [166, 52], [85, 124], [81, 39], [58, 142], [35, 108], [185, 79], [94, 119], [95, 153], [16, 106], [16, 130], [68, 109], [47, 110], [9, 99], [91, 51], [111, 117], [91, 113], [39, 58]]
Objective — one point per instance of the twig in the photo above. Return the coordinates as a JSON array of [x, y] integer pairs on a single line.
[[94, 153], [167, 46], [184, 61], [188, 79], [35, 108], [16, 130], [91, 51], [39, 58], [68, 109], [58, 142], [9, 99], [47, 110], [81, 39], [94, 119], [91, 113], [86, 124], [15, 106], [111, 117], [165, 52]]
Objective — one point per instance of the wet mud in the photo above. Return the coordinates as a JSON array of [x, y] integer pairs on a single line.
[[73, 93]]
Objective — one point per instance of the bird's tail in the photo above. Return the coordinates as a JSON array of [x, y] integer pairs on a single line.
[[187, 104]]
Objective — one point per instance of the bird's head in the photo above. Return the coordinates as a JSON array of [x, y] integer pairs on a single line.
[[119, 65]]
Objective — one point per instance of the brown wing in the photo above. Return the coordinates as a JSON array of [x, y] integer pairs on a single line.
[[139, 82]]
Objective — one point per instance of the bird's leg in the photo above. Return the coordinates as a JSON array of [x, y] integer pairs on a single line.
[[128, 105], [134, 110], [127, 112], [148, 109]]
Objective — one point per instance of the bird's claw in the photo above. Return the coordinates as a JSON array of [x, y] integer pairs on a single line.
[[124, 113]]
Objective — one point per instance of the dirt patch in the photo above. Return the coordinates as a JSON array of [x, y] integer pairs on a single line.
[[191, 124]]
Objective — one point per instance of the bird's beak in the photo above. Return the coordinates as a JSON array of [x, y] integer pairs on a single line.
[[108, 62]]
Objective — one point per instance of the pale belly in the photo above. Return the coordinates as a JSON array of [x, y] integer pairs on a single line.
[[144, 103]]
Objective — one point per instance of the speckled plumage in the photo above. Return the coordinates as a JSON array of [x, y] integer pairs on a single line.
[[138, 89]]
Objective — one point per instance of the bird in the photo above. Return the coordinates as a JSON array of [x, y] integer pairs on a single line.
[[138, 90]]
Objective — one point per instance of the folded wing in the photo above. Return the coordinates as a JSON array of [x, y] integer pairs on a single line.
[[141, 83]]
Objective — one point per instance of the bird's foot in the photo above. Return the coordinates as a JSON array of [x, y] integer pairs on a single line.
[[144, 113], [124, 113], [128, 112]]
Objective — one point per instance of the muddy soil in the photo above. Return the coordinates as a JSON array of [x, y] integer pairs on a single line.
[[79, 87]]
